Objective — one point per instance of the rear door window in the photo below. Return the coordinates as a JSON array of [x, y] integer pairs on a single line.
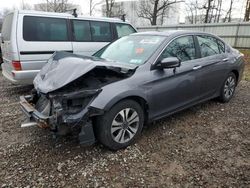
[[124, 29], [210, 46], [6, 28], [44, 29], [81, 30], [101, 31]]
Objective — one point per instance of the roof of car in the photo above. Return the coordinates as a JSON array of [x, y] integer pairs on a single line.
[[56, 14], [170, 32]]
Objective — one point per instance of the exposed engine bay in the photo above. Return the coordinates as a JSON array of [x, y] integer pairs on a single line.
[[67, 104], [66, 109]]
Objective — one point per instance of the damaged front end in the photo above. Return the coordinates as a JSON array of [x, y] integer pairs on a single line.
[[62, 113], [64, 106]]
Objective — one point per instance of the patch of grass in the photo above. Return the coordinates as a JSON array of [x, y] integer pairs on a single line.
[[246, 52]]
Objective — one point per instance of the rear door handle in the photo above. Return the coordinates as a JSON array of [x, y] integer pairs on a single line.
[[225, 59], [197, 67]]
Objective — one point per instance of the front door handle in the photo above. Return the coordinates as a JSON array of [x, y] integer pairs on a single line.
[[197, 67], [225, 59]]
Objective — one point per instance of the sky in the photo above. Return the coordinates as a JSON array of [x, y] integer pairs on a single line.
[[18, 3], [238, 8]]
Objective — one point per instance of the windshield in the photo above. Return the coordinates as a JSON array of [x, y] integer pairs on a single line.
[[135, 49]]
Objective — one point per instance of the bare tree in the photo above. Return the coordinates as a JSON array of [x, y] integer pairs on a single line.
[[93, 4], [208, 8], [228, 15], [152, 9], [209, 11], [218, 11], [213, 10], [26, 6], [247, 11], [164, 10], [192, 9], [109, 4], [54, 6]]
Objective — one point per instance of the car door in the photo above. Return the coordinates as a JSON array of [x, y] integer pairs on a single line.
[[175, 88], [213, 63], [90, 36]]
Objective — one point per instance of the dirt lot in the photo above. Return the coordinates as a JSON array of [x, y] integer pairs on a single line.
[[207, 145]]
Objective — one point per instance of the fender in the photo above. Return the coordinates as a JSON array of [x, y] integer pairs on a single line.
[[111, 95]]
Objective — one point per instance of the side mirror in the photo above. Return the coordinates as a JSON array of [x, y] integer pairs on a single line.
[[167, 63]]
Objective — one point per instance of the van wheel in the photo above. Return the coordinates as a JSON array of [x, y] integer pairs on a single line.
[[228, 88], [120, 126]]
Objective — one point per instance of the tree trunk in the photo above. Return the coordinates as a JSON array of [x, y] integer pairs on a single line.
[[219, 13], [212, 12], [90, 7], [107, 8], [154, 17], [230, 11], [247, 11], [207, 11]]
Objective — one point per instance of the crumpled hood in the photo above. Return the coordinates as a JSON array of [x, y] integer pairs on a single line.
[[63, 68]]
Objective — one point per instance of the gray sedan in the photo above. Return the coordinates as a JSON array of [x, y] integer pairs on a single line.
[[133, 81]]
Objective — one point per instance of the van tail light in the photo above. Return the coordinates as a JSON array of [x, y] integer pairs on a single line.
[[17, 65]]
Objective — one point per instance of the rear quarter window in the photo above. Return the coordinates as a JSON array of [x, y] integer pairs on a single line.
[[44, 29], [7, 27]]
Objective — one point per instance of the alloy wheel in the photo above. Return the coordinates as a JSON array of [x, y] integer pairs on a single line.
[[229, 87], [125, 125]]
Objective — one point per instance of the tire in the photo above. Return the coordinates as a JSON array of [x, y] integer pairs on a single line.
[[116, 132], [228, 88]]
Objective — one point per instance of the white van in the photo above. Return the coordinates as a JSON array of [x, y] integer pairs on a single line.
[[29, 38]]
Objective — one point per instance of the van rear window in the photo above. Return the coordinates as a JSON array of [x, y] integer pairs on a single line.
[[6, 29], [44, 29]]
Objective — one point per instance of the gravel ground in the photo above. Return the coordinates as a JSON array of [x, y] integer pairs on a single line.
[[207, 145]]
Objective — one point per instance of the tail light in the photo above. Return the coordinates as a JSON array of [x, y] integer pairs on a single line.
[[17, 65]]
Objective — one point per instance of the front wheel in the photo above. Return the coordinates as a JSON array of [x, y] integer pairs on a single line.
[[119, 127], [228, 88]]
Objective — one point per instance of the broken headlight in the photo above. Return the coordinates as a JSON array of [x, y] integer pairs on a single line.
[[75, 105], [75, 101]]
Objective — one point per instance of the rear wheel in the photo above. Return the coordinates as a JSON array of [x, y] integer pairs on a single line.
[[228, 88], [119, 127]]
